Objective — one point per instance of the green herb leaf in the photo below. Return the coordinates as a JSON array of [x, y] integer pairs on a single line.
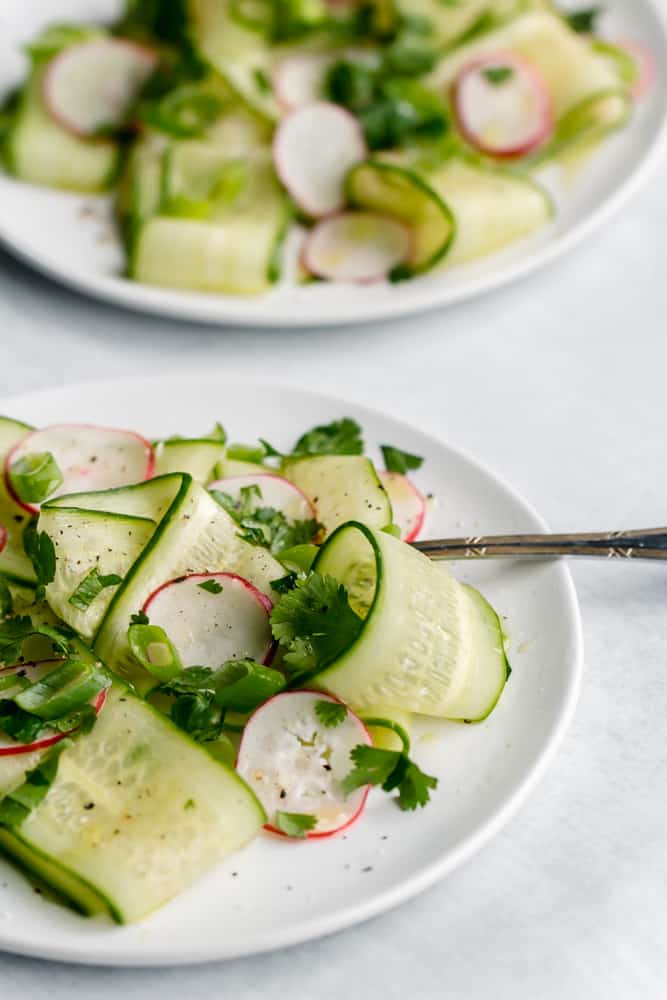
[[498, 75], [6, 600], [396, 460], [91, 587], [140, 618], [41, 552], [22, 726], [16, 631], [584, 21], [284, 583], [211, 586], [330, 713], [237, 685], [295, 825], [314, 622], [35, 476], [17, 806], [197, 714], [265, 526], [341, 437], [391, 769]]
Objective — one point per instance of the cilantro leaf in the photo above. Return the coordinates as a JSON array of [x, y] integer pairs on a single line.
[[314, 622], [140, 618], [396, 460], [238, 685], [211, 586], [341, 437], [330, 713], [42, 554], [197, 715], [265, 526], [19, 724], [584, 21], [391, 769], [295, 825], [497, 75], [14, 633], [91, 587], [284, 583]]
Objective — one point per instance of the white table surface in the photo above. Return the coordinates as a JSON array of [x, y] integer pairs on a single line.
[[559, 384]]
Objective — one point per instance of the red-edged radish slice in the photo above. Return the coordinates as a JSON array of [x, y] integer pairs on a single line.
[[313, 149], [213, 617], [92, 85], [503, 106], [276, 491], [407, 503], [3, 537], [647, 70], [90, 458], [357, 246], [34, 671], [296, 764]]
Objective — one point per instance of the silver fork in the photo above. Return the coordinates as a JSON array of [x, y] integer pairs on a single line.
[[647, 543]]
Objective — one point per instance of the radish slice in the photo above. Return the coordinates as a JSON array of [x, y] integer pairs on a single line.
[[313, 149], [275, 492], [93, 85], [647, 69], [357, 246], [34, 672], [89, 458], [3, 537], [209, 626], [407, 503], [503, 105], [296, 764]]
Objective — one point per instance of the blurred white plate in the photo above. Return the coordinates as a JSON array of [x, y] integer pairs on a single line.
[[71, 238], [276, 893]]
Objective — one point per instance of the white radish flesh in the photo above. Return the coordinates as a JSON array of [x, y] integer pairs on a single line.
[[357, 246], [503, 106], [92, 85], [34, 672], [300, 79], [213, 617], [407, 503], [274, 491], [313, 149], [89, 458], [296, 764]]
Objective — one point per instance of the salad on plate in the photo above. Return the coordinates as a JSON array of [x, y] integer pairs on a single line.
[[248, 141], [202, 640]]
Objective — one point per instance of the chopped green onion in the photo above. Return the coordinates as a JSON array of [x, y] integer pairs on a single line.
[[63, 690], [35, 476], [151, 647]]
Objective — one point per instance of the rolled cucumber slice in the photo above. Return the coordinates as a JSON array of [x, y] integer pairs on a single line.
[[341, 488], [572, 69], [460, 210], [13, 560], [41, 151], [451, 21], [137, 813], [193, 535], [428, 644]]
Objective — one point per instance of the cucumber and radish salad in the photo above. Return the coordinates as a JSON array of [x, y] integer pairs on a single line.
[[203, 640], [393, 136]]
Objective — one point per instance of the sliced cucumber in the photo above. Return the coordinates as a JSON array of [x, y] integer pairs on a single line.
[[13, 560], [196, 456], [391, 189], [42, 152], [119, 540], [428, 644], [140, 188], [136, 813], [450, 22], [571, 67], [341, 488], [234, 249]]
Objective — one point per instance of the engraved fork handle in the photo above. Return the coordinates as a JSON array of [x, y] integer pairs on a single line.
[[647, 543]]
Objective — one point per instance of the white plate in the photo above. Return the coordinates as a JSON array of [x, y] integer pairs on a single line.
[[277, 893], [71, 238]]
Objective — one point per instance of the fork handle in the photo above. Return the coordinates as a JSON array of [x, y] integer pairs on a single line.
[[647, 543]]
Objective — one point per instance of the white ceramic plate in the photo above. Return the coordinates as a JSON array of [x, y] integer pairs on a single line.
[[71, 238], [277, 893]]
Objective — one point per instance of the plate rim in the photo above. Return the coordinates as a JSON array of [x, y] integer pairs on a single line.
[[226, 310], [351, 915]]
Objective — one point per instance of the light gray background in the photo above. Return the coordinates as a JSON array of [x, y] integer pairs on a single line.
[[559, 384]]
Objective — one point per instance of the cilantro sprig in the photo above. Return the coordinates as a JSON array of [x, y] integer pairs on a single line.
[[390, 769], [295, 825], [41, 552], [330, 713], [314, 622], [265, 526], [396, 460], [91, 587]]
